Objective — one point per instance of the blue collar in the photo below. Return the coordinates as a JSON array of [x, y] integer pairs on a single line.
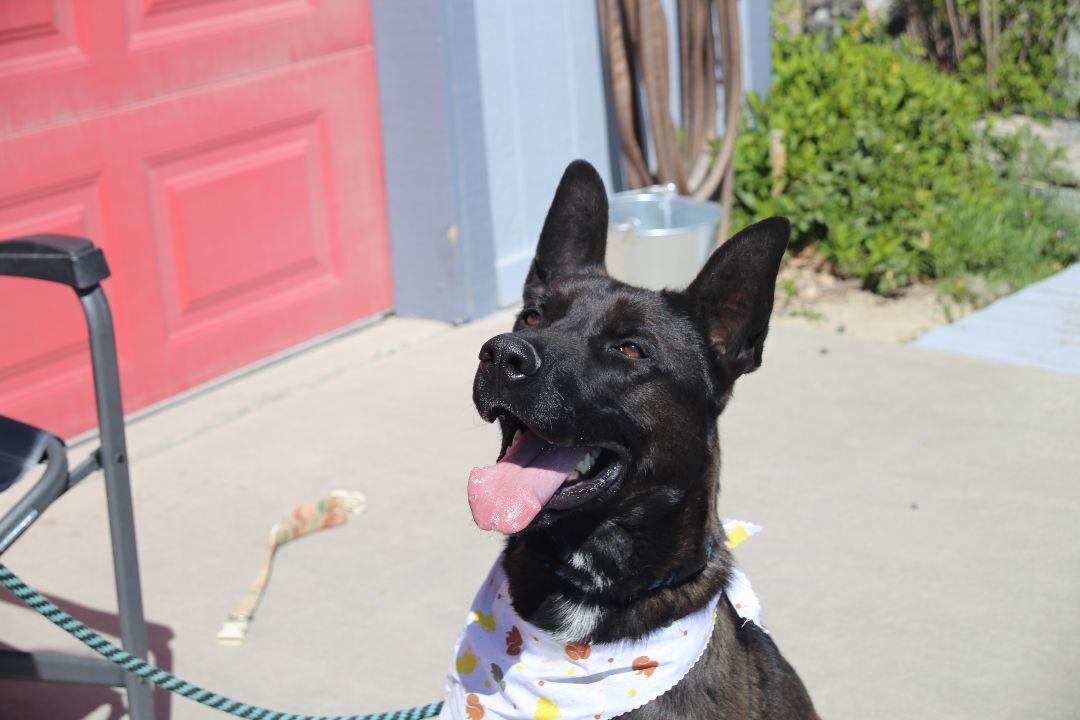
[[676, 578]]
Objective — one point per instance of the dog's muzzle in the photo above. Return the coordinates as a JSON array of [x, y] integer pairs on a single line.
[[509, 358]]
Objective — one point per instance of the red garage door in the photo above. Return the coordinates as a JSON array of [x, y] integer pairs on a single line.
[[225, 153]]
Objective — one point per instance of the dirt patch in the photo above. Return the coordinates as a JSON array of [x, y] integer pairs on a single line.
[[809, 297]]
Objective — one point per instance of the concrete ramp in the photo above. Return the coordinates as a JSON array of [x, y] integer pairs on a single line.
[[1036, 327]]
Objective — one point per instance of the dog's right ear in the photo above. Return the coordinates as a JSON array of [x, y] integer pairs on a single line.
[[732, 297], [575, 231]]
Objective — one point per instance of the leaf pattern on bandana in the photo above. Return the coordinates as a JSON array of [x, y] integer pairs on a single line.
[[578, 651], [645, 665], [497, 675], [466, 663], [485, 621], [473, 709], [513, 641]]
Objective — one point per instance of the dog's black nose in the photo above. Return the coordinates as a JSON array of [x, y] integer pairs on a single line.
[[512, 354]]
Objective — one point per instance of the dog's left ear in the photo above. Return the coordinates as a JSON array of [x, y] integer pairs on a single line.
[[574, 237], [732, 296]]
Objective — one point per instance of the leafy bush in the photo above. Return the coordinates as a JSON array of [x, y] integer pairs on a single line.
[[1031, 65], [987, 250], [1016, 236], [874, 157]]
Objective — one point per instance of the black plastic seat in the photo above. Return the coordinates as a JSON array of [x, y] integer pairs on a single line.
[[22, 447], [64, 259]]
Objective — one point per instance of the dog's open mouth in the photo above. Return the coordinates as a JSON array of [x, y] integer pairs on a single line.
[[533, 475]]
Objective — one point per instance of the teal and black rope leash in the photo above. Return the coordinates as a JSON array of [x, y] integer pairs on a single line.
[[170, 682]]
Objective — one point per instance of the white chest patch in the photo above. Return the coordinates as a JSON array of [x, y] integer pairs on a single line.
[[504, 668]]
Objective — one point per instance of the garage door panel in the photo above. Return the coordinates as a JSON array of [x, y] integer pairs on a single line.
[[182, 45], [361, 209], [91, 55], [43, 348], [72, 170], [263, 235], [241, 219], [52, 385], [155, 23], [43, 43], [37, 33], [46, 322]]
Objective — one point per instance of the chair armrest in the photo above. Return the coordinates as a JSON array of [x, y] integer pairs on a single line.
[[63, 259]]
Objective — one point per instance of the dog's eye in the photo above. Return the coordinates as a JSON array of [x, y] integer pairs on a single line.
[[532, 318], [631, 350]]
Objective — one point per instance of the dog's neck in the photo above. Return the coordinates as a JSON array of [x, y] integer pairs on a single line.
[[623, 577]]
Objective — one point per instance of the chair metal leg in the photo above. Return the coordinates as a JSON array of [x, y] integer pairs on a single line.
[[114, 462]]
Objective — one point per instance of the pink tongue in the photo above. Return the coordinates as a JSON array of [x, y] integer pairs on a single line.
[[506, 496]]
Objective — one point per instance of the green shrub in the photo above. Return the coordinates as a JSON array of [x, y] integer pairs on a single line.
[[882, 163], [986, 250], [1016, 236], [1033, 67]]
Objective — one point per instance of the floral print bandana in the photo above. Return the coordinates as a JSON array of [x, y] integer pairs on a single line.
[[504, 668]]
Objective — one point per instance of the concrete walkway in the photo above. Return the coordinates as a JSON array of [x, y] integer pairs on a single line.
[[921, 552], [1038, 326]]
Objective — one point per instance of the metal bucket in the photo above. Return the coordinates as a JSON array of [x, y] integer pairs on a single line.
[[658, 238]]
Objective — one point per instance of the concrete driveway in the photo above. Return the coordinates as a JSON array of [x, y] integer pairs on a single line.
[[921, 552]]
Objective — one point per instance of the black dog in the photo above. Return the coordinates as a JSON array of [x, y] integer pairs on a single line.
[[622, 387]]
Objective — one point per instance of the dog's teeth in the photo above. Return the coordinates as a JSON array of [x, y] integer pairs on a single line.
[[586, 462], [572, 476]]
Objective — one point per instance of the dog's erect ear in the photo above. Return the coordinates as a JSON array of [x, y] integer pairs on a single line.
[[732, 296], [575, 230]]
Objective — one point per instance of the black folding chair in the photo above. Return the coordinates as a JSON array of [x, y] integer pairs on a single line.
[[77, 263]]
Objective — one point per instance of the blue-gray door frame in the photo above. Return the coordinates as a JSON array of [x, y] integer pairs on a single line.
[[435, 159], [435, 150]]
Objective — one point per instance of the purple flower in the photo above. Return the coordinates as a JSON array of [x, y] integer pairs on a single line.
[[1060, 233], [1027, 214]]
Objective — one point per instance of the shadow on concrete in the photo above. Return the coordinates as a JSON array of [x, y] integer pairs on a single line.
[[55, 701]]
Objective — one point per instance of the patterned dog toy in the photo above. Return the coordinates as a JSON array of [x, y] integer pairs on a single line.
[[305, 519]]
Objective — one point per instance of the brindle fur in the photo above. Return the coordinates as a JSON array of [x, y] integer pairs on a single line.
[[587, 574]]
